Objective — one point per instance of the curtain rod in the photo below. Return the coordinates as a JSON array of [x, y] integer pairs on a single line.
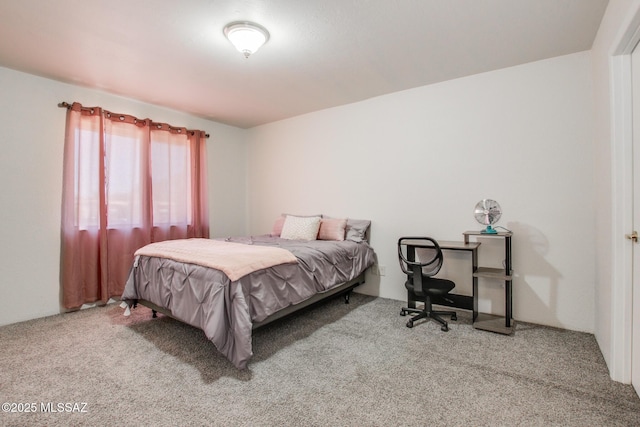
[[68, 106]]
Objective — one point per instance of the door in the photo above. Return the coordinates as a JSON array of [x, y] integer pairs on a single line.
[[635, 324]]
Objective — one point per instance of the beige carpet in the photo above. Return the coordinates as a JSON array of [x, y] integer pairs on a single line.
[[334, 365]]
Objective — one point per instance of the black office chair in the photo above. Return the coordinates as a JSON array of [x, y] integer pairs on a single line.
[[420, 284]]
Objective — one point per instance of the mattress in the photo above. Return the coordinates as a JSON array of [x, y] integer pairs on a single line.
[[225, 310]]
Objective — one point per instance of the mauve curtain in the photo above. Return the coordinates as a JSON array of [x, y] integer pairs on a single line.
[[120, 173], [127, 198], [81, 274], [179, 183]]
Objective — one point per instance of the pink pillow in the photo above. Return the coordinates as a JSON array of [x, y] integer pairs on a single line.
[[277, 226], [332, 229]]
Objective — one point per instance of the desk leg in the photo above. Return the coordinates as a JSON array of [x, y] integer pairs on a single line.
[[475, 298], [508, 308], [508, 289], [411, 256], [474, 267]]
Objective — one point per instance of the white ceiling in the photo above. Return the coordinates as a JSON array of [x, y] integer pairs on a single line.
[[322, 53]]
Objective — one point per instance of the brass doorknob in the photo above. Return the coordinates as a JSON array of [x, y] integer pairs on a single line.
[[633, 236]]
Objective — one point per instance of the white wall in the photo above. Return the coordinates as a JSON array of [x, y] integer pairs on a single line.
[[414, 162], [31, 141], [417, 161]]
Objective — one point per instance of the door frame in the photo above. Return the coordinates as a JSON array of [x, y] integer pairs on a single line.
[[622, 198]]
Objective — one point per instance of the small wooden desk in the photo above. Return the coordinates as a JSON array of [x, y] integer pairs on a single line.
[[464, 302]]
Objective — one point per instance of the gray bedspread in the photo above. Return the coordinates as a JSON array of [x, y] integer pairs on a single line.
[[224, 309]]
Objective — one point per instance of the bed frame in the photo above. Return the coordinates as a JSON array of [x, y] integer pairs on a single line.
[[343, 289]]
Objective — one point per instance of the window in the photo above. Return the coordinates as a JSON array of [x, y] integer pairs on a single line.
[[171, 201]]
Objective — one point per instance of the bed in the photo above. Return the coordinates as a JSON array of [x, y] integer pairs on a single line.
[[264, 278]]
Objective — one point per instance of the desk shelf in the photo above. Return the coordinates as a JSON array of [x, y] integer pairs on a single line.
[[493, 323], [492, 273], [485, 321]]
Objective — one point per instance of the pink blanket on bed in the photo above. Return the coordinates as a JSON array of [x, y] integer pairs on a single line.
[[234, 259]]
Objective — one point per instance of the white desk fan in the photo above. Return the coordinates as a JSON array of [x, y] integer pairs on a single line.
[[488, 212]]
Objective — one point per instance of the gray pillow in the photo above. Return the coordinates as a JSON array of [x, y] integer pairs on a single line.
[[357, 230]]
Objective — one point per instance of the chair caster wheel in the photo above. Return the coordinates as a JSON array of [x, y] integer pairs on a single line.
[[454, 317], [403, 313], [444, 328], [410, 324]]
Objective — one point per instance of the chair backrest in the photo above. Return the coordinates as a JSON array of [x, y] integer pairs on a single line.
[[423, 252]]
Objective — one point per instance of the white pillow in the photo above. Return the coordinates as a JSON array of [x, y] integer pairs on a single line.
[[277, 226], [300, 228]]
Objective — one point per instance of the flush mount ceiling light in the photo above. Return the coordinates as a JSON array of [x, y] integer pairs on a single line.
[[247, 37]]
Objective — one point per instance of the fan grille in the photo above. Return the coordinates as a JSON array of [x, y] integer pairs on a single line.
[[488, 212]]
